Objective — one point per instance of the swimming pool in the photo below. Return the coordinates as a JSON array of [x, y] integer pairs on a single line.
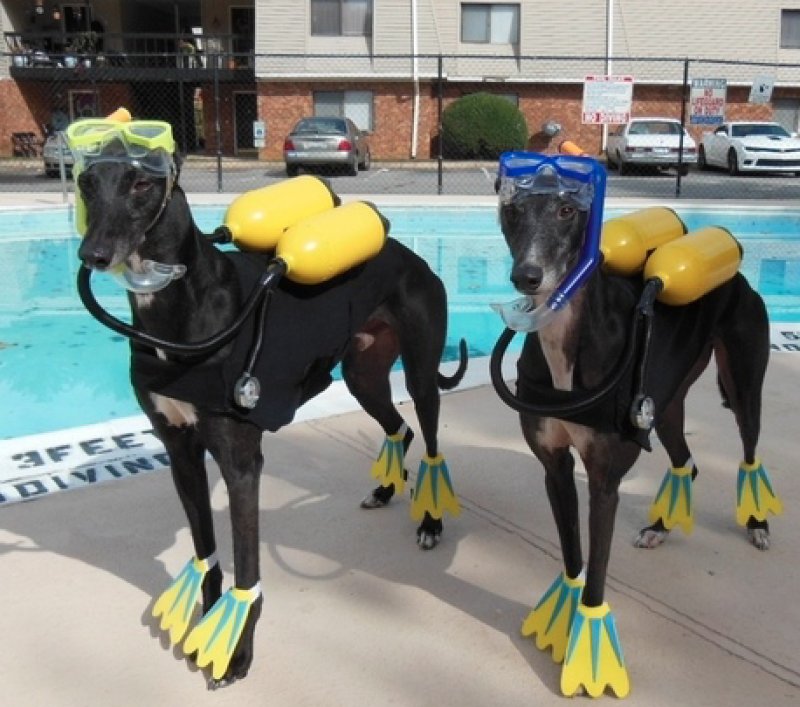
[[59, 368]]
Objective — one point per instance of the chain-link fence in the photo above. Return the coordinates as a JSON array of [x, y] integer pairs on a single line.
[[231, 115]]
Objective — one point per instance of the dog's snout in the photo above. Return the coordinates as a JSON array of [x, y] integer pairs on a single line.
[[527, 278], [94, 257]]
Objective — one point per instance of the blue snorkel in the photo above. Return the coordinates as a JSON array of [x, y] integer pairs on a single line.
[[584, 180]]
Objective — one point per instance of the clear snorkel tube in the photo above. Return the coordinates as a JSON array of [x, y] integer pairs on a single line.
[[145, 144], [583, 180]]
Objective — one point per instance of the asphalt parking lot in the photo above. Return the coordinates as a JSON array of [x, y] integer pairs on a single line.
[[204, 175]]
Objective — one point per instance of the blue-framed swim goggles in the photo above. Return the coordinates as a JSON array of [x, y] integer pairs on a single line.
[[580, 180], [145, 144]]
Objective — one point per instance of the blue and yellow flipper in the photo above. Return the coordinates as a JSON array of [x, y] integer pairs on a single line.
[[673, 502], [176, 605], [215, 638], [551, 619], [388, 467], [754, 494], [594, 657], [434, 492]]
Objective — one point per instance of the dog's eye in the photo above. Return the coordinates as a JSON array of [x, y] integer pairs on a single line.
[[565, 211], [141, 185]]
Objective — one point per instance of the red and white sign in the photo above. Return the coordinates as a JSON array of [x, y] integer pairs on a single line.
[[607, 100]]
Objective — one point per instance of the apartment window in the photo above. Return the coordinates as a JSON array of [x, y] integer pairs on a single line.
[[341, 18], [482, 23], [790, 29], [356, 105]]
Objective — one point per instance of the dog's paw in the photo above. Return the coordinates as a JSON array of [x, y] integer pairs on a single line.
[[427, 540], [651, 537], [758, 533], [378, 498], [759, 537]]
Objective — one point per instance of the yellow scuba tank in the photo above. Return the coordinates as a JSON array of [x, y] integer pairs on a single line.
[[257, 219], [694, 264], [323, 246], [627, 240]]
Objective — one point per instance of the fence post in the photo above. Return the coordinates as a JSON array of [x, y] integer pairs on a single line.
[[217, 126], [684, 95], [439, 100]]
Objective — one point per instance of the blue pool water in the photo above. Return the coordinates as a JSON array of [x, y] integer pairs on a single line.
[[59, 368]]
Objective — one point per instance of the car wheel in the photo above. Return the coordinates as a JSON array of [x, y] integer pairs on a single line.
[[701, 159], [367, 163], [623, 168], [610, 164], [733, 163], [352, 168], [683, 169], [51, 172], [292, 170]]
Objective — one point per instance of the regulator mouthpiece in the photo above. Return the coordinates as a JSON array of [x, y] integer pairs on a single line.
[[521, 315], [151, 278]]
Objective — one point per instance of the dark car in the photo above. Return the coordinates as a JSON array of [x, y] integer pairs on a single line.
[[326, 142]]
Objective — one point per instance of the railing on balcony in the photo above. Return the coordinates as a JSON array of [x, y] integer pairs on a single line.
[[150, 50]]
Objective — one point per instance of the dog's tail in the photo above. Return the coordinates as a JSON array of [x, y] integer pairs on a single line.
[[450, 382]]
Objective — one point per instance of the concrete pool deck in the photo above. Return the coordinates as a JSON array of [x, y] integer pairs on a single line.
[[355, 614]]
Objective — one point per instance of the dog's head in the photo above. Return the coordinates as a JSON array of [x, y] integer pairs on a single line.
[[124, 177], [543, 218], [122, 203]]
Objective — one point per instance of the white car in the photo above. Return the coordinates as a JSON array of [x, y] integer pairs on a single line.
[[54, 153], [650, 142], [750, 146]]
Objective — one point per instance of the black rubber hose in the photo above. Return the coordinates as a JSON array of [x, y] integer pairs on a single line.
[[275, 270], [569, 403]]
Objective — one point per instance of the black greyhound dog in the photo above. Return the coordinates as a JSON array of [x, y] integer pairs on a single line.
[[392, 305], [575, 353]]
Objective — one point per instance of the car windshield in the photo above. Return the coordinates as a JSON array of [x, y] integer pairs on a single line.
[[321, 125], [654, 127], [748, 129]]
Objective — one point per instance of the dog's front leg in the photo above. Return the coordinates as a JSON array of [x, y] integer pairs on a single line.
[[224, 638]]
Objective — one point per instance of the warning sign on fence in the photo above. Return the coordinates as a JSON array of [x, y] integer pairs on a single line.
[[607, 100], [707, 101]]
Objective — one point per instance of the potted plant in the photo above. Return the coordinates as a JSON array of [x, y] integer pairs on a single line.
[[85, 45]]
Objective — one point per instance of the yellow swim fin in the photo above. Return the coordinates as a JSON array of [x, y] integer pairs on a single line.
[[388, 467], [176, 605], [551, 619], [215, 638], [673, 502], [754, 494], [434, 490], [594, 657]]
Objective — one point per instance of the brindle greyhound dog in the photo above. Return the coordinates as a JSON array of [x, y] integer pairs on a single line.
[[578, 351], [392, 305]]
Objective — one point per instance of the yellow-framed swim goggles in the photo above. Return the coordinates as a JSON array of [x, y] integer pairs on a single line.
[[146, 144]]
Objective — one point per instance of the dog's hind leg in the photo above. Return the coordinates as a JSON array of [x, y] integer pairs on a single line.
[[365, 369], [224, 638], [742, 352], [421, 354]]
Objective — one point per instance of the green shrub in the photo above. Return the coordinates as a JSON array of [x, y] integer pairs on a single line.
[[482, 126]]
